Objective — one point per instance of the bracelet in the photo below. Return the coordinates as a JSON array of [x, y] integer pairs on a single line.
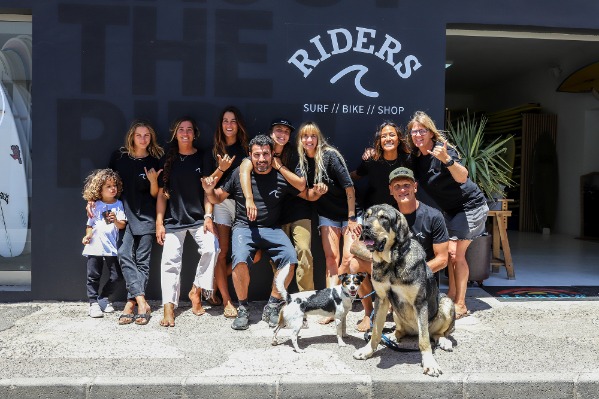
[[280, 167], [449, 163], [208, 215], [218, 167]]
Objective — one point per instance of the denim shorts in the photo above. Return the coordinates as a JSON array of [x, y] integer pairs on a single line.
[[322, 221], [224, 213], [246, 241], [467, 225]]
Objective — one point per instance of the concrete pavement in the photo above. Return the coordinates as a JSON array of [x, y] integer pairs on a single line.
[[537, 349]]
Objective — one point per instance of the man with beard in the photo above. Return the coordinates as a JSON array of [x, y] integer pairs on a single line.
[[264, 233]]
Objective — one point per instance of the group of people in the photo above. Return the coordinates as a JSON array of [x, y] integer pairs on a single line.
[[255, 197]]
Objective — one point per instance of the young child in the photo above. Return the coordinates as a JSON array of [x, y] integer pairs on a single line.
[[103, 186]]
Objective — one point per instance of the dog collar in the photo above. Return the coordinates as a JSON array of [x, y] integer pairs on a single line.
[[405, 248]]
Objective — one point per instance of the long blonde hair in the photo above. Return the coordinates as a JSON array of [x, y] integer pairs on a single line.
[[153, 148], [423, 119], [320, 174]]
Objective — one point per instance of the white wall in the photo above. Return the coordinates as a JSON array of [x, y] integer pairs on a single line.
[[577, 131]]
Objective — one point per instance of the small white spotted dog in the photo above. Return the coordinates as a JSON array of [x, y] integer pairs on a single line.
[[335, 302]]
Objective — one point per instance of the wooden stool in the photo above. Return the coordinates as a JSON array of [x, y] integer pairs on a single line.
[[501, 241]]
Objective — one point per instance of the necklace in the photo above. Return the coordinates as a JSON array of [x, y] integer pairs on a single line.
[[390, 163], [182, 158]]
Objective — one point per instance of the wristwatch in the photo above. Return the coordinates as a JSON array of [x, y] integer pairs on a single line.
[[352, 218], [208, 215], [449, 163]]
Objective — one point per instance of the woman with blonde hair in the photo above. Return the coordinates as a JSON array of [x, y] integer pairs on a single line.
[[137, 163], [325, 169], [441, 175]]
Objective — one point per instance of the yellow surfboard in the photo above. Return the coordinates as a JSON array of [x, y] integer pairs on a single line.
[[582, 81]]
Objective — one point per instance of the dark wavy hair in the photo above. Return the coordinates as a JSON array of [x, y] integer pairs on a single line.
[[261, 140], [174, 149], [378, 148], [220, 141]]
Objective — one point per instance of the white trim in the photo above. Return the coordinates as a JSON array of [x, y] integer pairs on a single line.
[[523, 35], [15, 18]]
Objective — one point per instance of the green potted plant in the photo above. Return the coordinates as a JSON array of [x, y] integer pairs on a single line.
[[488, 168], [483, 158]]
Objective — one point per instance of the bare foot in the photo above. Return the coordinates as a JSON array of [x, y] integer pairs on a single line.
[[168, 320], [126, 316], [461, 311], [326, 320], [195, 296], [364, 325], [230, 311]]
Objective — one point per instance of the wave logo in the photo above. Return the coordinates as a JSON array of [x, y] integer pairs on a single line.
[[342, 41]]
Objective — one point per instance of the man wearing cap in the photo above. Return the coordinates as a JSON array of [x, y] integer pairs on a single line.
[[426, 223]]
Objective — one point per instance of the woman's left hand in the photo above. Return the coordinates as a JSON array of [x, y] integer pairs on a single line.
[[440, 152], [355, 229], [276, 163], [225, 162], [152, 175], [210, 227]]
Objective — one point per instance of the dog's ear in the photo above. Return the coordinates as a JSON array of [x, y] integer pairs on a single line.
[[342, 276], [362, 275], [402, 228]]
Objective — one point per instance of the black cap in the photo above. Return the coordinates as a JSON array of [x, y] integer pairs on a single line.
[[282, 121], [401, 172]]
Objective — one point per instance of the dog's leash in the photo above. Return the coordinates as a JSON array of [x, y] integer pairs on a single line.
[[384, 339]]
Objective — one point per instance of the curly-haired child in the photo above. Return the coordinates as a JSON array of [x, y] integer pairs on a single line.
[[103, 186]]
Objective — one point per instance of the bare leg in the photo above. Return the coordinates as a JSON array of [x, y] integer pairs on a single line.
[[168, 320], [195, 295], [354, 264], [461, 273], [221, 272], [241, 280], [330, 244]]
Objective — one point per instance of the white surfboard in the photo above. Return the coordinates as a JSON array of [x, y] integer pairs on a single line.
[[22, 46], [14, 208], [20, 113], [17, 68], [26, 97]]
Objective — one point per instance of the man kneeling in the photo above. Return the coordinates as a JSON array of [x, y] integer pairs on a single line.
[[264, 233]]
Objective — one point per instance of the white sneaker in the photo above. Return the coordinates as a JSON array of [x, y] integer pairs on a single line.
[[105, 305], [95, 311]]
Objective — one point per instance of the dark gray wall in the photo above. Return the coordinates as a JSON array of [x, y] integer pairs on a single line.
[[99, 64]]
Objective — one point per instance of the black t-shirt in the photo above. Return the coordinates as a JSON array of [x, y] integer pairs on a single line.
[[185, 207], [295, 208], [428, 226], [436, 180], [377, 191], [140, 206], [333, 204], [234, 149], [269, 192]]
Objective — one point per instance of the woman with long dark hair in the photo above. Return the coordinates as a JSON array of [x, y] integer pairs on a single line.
[[182, 208]]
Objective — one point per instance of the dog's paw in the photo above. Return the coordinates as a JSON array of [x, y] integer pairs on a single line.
[[430, 366], [341, 343], [445, 344], [364, 353], [298, 350], [274, 342]]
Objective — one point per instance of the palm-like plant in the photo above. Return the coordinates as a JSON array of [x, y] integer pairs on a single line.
[[483, 158]]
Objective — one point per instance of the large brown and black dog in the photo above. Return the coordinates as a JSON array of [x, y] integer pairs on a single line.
[[402, 278]]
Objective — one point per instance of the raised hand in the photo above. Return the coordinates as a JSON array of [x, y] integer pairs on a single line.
[[152, 175], [225, 162]]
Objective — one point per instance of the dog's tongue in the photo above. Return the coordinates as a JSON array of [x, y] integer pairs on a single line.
[[368, 242]]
